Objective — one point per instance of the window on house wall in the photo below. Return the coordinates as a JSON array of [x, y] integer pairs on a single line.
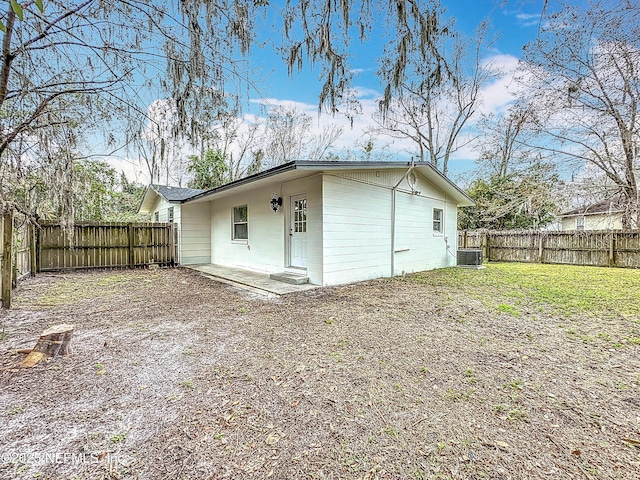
[[170, 217], [437, 220], [156, 217], [579, 223], [240, 223]]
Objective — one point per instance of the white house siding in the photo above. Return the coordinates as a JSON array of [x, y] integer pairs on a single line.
[[356, 229], [357, 226], [595, 222], [264, 250], [162, 208], [267, 247], [194, 229], [417, 246]]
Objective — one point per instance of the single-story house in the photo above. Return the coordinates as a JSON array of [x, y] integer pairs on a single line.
[[603, 215], [163, 204], [335, 222]]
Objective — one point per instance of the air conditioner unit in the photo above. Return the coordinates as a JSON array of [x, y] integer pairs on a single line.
[[470, 258]]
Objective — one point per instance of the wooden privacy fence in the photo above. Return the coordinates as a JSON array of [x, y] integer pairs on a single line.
[[17, 240], [611, 248], [105, 245], [26, 249]]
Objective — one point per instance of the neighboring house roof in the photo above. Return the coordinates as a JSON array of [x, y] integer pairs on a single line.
[[599, 208], [170, 194], [300, 168]]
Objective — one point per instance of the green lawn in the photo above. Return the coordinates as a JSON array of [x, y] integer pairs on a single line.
[[566, 289]]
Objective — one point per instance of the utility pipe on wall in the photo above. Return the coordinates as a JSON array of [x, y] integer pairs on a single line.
[[393, 217]]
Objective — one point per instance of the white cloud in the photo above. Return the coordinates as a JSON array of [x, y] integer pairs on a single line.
[[130, 167], [524, 19], [527, 16], [365, 92], [499, 94]]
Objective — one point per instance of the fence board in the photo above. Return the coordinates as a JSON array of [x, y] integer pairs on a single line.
[[105, 245], [15, 262], [615, 248]]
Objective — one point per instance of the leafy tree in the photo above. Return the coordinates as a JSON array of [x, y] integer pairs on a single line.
[[209, 171], [513, 201], [128, 198], [100, 193], [93, 192]]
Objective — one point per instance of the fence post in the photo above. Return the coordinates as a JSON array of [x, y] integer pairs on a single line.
[[612, 250], [484, 245], [541, 248], [131, 249], [32, 251], [7, 258], [464, 239], [172, 252]]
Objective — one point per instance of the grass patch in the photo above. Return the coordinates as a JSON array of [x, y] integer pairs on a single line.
[[505, 308], [118, 438], [85, 286], [570, 289]]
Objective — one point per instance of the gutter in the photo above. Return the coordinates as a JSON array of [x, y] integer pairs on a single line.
[[267, 173]]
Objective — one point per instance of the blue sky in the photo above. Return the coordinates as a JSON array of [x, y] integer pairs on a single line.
[[514, 24]]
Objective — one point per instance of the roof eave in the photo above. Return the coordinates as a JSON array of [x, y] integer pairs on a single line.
[[462, 199]]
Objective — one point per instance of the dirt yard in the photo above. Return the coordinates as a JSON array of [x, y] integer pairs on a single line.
[[504, 373]]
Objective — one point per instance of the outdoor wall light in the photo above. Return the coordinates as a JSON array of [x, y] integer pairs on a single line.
[[276, 202]]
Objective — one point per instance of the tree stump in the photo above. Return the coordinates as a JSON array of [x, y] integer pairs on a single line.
[[53, 341]]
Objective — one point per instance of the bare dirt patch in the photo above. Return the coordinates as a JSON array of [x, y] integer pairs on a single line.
[[176, 376]]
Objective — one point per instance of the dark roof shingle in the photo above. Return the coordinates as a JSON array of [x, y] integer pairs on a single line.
[[176, 194]]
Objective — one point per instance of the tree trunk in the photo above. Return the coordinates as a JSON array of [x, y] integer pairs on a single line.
[[53, 341]]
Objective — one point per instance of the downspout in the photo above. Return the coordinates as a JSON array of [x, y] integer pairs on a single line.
[[393, 217]]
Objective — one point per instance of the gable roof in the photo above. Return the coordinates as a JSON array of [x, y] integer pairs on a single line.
[[610, 205], [176, 194], [300, 168], [170, 194]]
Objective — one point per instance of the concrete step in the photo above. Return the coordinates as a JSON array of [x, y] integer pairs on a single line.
[[292, 278]]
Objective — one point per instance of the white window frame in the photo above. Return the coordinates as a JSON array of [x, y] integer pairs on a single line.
[[439, 221], [156, 217], [170, 215], [580, 222], [234, 223]]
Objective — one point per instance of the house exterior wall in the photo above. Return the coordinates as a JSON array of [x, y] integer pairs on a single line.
[[161, 207], [356, 229], [266, 249], [417, 246], [350, 233], [194, 233], [357, 226], [594, 222]]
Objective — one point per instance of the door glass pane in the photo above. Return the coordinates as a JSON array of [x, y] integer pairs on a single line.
[[300, 216]]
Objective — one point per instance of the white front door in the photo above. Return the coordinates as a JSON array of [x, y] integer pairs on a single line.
[[298, 232]]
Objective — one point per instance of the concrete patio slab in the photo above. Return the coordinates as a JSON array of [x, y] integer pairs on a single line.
[[253, 281]]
